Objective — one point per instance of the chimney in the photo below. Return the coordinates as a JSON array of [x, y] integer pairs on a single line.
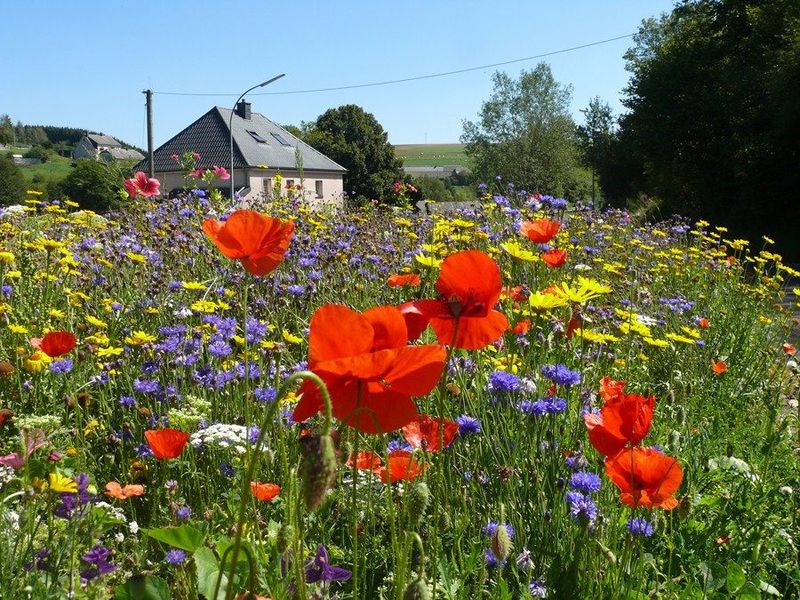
[[243, 110]]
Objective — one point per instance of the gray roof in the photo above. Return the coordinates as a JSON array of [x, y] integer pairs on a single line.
[[123, 154], [210, 137], [103, 140]]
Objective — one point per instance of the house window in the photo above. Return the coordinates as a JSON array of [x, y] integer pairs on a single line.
[[318, 186], [256, 137], [281, 140], [266, 183]]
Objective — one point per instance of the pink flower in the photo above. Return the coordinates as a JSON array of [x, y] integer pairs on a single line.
[[221, 172], [174, 157], [33, 440], [195, 156], [140, 184], [198, 172]]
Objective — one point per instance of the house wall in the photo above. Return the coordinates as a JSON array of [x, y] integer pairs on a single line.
[[84, 149]]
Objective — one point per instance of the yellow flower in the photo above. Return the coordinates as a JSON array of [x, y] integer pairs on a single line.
[[33, 192], [14, 328], [587, 289], [204, 306], [291, 339], [91, 427], [151, 310], [109, 352], [138, 338], [136, 257], [57, 314], [656, 342], [71, 204], [13, 274], [7, 258], [675, 337], [540, 301], [428, 261], [62, 485], [516, 251], [50, 245], [194, 286], [96, 322], [595, 336], [36, 362]]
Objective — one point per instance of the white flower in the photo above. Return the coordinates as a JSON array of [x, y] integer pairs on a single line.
[[119, 537], [133, 527]]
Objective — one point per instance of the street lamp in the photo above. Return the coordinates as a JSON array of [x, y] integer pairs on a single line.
[[230, 121]]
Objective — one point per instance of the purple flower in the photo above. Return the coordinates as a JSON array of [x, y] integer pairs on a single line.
[[468, 425], [98, 557], [61, 367], [561, 375], [175, 557], [183, 513], [639, 526], [320, 569], [582, 508], [491, 559], [267, 394], [127, 401], [584, 481], [503, 382], [537, 589], [549, 405]]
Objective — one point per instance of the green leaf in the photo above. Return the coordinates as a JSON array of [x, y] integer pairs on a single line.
[[735, 577], [768, 589], [207, 572], [184, 537], [143, 587], [713, 576], [748, 592]]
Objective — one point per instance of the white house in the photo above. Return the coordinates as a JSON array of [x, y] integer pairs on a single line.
[[261, 149], [93, 147]]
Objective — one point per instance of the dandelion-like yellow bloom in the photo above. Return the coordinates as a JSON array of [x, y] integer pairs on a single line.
[[543, 302], [95, 322], [7, 258], [290, 338], [60, 484], [517, 252], [193, 286], [139, 338], [585, 290], [137, 258], [109, 352]]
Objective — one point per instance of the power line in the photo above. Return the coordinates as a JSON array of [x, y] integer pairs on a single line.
[[417, 78]]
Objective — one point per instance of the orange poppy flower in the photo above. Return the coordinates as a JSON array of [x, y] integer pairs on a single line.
[[554, 258], [365, 460], [259, 242], [398, 280], [166, 443], [574, 324], [645, 477], [522, 327], [540, 231], [115, 490], [469, 286], [611, 390], [401, 467], [718, 366], [55, 343], [703, 323], [624, 421], [416, 322], [370, 372], [423, 432], [788, 349], [516, 293], [265, 492]]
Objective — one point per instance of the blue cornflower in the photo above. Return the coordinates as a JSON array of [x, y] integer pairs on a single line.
[[491, 559], [226, 469], [582, 508], [549, 405], [175, 557], [61, 367], [267, 394], [399, 445], [585, 481], [503, 382], [537, 589], [468, 425], [219, 349], [640, 526], [490, 528], [144, 386], [561, 375], [183, 513]]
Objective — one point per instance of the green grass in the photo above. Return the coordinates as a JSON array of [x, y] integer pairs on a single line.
[[431, 155], [56, 168]]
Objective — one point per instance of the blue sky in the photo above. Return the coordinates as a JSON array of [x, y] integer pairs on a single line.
[[84, 63]]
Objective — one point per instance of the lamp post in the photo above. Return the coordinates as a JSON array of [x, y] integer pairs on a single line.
[[230, 121]]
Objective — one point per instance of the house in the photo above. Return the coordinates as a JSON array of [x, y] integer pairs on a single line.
[[261, 150], [104, 147]]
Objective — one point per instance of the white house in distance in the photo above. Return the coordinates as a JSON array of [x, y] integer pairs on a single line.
[[103, 147], [261, 149]]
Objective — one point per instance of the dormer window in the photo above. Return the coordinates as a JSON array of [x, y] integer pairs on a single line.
[[257, 137], [281, 140]]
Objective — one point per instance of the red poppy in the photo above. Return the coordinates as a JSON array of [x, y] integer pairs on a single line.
[[141, 185], [788, 349], [403, 280], [574, 323], [265, 492], [540, 231], [365, 460], [611, 390], [5, 415], [370, 372], [401, 467], [469, 286], [55, 343], [423, 432], [645, 477], [259, 242], [120, 492], [555, 258], [624, 421], [166, 443], [703, 323], [516, 293], [718, 366], [416, 322], [522, 327]]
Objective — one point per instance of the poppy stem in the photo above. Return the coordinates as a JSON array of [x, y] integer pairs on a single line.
[[354, 498]]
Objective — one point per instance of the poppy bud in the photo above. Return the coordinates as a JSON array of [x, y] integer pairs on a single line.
[[453, 389], [418, 497], [674, 439], [6, 369], [285, 538], [501, 543], [417, 590], [317, 468]]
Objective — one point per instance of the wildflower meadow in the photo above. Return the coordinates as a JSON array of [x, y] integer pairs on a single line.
[[527, 398]]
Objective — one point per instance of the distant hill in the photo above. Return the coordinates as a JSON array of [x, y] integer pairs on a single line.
[[432, 155]]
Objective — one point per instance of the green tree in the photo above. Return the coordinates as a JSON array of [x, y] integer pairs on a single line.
[[713, 128], [12, 182], [93, 185], [6, 130], [354, 139], [595, 136], [525, 133]]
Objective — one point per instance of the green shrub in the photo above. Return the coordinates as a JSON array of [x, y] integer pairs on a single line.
[[12, 182], [93, 185]]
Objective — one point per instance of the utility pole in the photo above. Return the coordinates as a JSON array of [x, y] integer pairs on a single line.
[[149, 102]]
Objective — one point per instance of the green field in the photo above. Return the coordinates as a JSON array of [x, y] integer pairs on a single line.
[[56, 167], [431, 155]]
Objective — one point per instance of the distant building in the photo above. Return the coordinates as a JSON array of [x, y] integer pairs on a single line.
[[261, 149], [442, 172], [103, 147]]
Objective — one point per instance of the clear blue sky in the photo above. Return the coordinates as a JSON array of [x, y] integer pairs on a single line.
[[84, 63]]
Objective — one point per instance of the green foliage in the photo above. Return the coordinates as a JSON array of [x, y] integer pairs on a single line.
[[94, 185], [143, 587], [39, 152], [184, 537], [714, 121], [354, 139], [525, 133], [6, 130], [12, 182]]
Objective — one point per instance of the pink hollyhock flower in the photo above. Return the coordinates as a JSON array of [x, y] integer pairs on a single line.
[[33, 440], [195, 156], [221, 172], [174, 157], [198, 173], [140, 184]]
